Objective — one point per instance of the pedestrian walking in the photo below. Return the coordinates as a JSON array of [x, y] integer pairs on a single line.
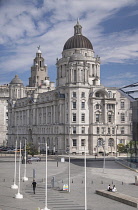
[[34, 185]]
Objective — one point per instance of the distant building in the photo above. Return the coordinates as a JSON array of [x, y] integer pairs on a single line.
[[80, 112], [131, 92], [4, 97]]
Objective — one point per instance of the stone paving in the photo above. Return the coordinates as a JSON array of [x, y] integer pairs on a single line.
[[58, 199]]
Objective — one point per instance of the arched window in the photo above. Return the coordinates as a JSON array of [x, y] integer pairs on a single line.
[[110, 117], [111, 142], [97, 94], [100, 142], [122, 104]]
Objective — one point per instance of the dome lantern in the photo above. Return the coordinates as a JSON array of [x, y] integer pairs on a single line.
[[78, 29]]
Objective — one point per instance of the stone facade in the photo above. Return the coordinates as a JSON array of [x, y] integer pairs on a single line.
[[79, 112], [131, 92], [4, 97]]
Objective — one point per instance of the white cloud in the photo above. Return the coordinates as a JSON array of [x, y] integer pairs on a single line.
[[26, 24]]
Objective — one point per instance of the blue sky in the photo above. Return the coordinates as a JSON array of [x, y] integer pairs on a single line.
[[111, 26]]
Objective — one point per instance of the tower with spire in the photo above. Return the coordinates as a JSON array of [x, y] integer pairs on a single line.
[[38, 70]]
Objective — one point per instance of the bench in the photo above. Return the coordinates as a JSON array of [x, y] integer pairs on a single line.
[[126, 199]]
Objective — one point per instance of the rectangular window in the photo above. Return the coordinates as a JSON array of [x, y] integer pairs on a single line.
[[74, 104], [74, 94], [130, 116], [74, 117], [98, 130], [74, 129], [110, 94], [83, 105], [67, 118], [109, 118], [122, 141], [83, 94], [74, 141], [113, 130], [122, 117], [103, 130], [82, 142], [82, 117], [122, 130], [110, 106], [122, 104], [83, 130], [75, 76], [97, 118], [108, 130]]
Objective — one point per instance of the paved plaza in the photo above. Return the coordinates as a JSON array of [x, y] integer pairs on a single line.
[[59, 200]]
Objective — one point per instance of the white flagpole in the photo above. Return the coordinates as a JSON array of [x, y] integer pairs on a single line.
[[46, 183], [15, 186], [85, 180], [18, 195], [25, 178]]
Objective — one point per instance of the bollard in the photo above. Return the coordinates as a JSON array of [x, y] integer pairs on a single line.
[[3, 180], [53, 182], [122, 183], [72, 180], [101, 182], [112, 182], [62, 181], [82, 181], [92, 182]]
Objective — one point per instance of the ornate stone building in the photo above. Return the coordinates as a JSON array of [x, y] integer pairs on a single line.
[[4, 97], [79, 112]]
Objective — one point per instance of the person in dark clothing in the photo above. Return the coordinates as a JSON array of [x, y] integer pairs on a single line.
[[109, 188], [34, 185]]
